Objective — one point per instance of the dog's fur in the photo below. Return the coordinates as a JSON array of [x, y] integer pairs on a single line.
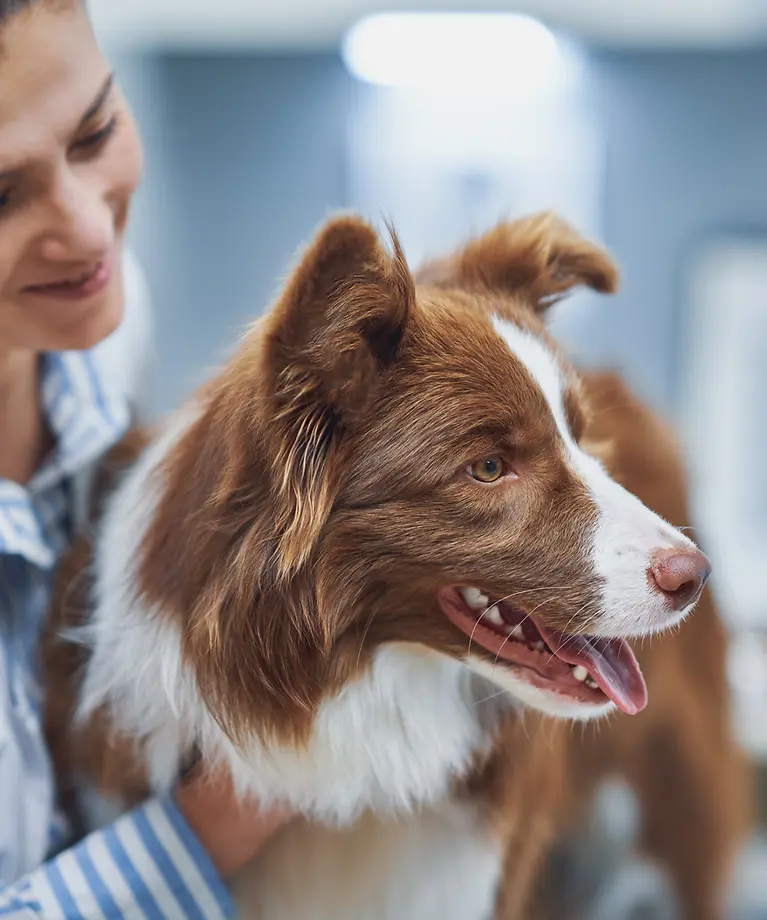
[[268, 578]]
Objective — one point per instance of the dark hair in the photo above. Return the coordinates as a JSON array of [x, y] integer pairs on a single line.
[[9, 7]]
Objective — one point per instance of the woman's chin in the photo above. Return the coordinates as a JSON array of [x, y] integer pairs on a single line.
[[100, 321]]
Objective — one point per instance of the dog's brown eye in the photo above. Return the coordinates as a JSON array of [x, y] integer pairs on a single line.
[[490, 469]]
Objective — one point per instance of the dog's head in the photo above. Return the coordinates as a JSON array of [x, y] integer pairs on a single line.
[[390, 460]]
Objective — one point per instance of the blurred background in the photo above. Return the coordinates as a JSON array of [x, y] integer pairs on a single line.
[[643, 122]]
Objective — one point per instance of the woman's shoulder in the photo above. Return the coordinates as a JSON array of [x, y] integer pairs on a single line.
[[124, 358]]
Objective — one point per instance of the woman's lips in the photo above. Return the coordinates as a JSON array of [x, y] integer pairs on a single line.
[[77, 288]]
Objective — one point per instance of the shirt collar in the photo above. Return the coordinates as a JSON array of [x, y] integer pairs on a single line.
[[87, 415]]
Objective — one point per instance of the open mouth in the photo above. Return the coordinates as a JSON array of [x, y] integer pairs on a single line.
[[591, 669]]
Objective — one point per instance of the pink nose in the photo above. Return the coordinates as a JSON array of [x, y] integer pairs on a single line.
[[679, 575]]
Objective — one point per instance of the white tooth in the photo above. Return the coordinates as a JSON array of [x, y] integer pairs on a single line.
[[516, 632], [580, 673], [494, 615], [475, 598], [590, 682], [538, 646]]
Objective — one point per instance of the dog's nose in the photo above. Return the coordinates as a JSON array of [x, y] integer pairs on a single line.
[[679, 575]]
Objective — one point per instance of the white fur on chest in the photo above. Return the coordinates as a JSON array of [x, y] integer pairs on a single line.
[[391, 741], [438, 864]]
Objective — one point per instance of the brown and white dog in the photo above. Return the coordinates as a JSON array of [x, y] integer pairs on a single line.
[[356, 567]]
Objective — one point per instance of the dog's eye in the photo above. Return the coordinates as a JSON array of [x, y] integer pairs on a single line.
[[489, 469]]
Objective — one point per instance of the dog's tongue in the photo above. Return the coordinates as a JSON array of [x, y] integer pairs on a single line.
[[609, 661]]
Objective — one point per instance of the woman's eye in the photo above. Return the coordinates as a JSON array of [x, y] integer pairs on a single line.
[[98, 137], [489, 469]]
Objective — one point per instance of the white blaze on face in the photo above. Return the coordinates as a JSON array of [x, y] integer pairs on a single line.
[[627, 533]]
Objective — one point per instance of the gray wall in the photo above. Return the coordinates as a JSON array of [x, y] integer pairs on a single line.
[[687, 158], [247, 153]]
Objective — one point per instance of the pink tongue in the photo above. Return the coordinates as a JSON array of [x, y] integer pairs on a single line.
[[609, 661]]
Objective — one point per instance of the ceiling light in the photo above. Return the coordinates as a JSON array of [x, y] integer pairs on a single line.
[[454, 52]]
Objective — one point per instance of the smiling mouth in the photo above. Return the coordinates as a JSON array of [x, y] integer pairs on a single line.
[[76, 287], [590, 669]]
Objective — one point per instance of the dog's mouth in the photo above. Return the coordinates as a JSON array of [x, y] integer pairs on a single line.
[[591, 669]]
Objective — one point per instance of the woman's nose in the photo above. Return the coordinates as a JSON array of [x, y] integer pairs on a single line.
[[82, 224]]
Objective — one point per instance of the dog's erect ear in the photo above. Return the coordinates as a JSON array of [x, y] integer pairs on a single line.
[[538, 259], [340, 319], [334, 334]]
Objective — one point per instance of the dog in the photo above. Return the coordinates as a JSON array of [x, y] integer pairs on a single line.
[[374, 569]]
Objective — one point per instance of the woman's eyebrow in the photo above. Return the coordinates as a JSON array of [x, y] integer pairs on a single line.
[[98, 101], [93, 109]]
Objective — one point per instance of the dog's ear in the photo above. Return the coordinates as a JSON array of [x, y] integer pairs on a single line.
[[329, 343], [340, 319], [537, 259]]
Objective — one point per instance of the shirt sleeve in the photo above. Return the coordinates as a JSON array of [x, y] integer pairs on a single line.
[[148, 865]]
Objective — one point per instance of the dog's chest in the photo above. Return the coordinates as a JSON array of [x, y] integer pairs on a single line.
[[439, 864]]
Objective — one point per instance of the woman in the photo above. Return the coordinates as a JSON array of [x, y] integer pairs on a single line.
[[71, 343]]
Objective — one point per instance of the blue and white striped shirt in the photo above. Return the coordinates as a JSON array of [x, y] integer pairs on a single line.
[[148, 864]]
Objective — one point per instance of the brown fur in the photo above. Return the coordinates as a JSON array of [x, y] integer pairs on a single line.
[[322, 505], [539, 257]]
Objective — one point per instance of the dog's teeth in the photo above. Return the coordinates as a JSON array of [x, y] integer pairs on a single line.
[[580, 673], [590, 682], [494, 615], [516, 631], [538, 646], [475, 598]]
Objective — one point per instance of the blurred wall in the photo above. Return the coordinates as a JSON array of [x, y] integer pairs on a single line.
[[686, 158], [247, 153]]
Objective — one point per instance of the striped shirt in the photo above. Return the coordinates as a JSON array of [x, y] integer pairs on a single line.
[[148, 864]]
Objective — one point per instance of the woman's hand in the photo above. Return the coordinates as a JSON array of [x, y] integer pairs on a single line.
[[231, 830]]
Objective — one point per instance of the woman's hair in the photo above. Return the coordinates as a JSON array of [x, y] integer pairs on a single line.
[[9, 7]]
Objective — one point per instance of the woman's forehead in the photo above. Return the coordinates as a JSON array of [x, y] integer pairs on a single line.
[[50, 71]]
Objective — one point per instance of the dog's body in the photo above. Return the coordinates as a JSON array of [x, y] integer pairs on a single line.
[[285, 582]]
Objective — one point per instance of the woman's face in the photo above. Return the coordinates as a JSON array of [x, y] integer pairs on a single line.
[[70, 160]]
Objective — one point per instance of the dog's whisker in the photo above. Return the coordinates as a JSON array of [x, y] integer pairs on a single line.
[[570, 639]]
